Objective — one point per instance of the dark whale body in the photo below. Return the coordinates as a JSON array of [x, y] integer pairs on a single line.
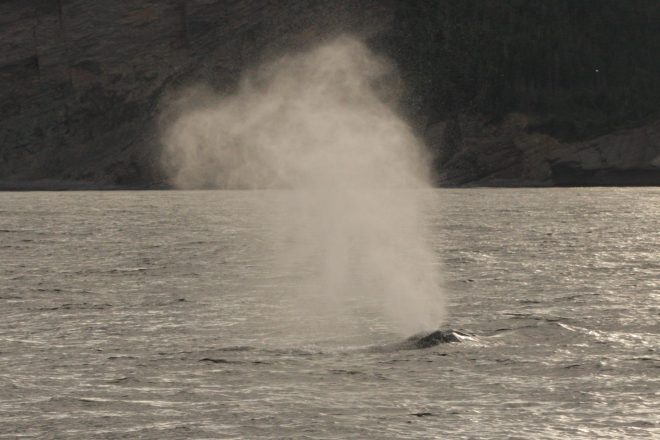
[[421, 341], [427, 340]]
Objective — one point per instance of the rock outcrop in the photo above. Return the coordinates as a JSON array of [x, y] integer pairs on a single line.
[[472, 151], [80, 81]]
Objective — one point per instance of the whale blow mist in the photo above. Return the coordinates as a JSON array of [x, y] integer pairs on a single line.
[[321, 127]]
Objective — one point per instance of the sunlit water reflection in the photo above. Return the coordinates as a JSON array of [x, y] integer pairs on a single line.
[[160, 315]]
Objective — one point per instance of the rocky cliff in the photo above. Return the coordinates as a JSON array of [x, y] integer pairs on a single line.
[[81, 82], [470, 150]]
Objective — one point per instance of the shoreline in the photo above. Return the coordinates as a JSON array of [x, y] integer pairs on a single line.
[[72, 186], [66, 185]]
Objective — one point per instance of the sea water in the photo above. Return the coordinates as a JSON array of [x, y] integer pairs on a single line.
[[163, 315]]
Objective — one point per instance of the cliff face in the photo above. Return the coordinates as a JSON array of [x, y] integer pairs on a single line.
[[80, 81], [468, 150], [580, 71]]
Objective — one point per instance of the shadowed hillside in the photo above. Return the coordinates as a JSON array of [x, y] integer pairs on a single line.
[[80, 81], [534, 91], [580, 67], [504, 92]]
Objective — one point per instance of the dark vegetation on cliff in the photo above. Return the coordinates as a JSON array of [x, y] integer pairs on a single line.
[[581, 68]]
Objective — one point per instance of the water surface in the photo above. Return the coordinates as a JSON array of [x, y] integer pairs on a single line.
[[161, 315]]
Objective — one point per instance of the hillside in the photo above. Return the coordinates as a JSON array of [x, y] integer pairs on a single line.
[[520, 92], [80, 82]]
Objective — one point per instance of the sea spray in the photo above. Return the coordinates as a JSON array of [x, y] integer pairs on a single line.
[[321, 125]]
